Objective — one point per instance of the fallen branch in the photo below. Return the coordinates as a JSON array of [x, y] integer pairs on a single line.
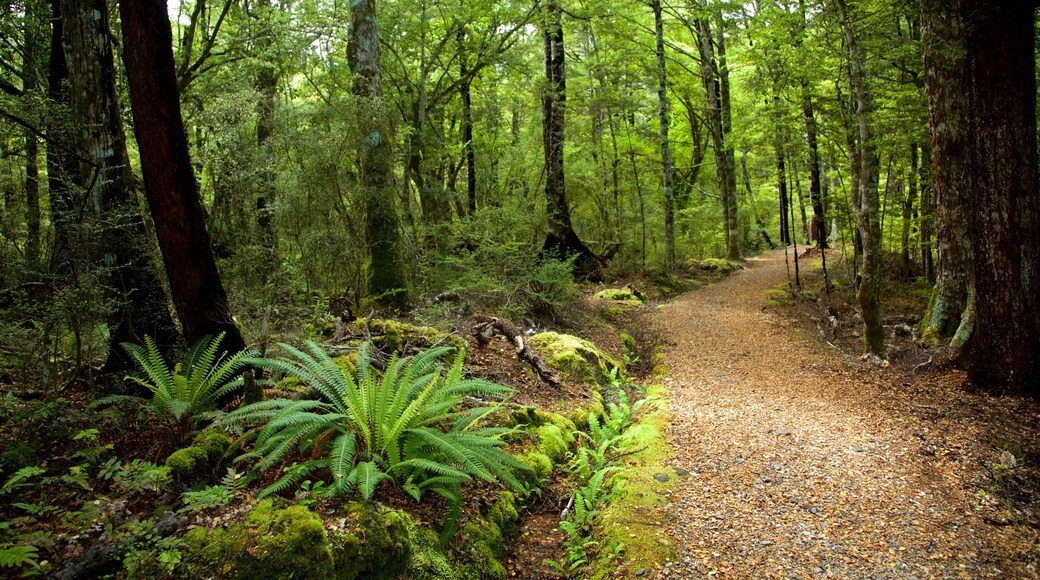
[[488, 326]]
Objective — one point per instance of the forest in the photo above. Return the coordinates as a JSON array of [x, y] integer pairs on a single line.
[[551, 288]]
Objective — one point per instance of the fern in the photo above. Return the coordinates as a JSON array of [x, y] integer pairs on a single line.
[[19, 556], [411, 424], [183, 396]]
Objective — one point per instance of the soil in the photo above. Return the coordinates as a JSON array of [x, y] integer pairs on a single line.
[[804, 460]]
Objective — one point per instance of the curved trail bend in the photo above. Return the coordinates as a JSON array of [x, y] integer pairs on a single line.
[[795, 470]]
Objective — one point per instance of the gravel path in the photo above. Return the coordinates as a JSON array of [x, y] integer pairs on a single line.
[[794, 469]]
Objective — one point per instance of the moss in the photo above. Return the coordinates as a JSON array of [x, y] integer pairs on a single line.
[[270, 543], [718, 265], [186, 462], [372, 543], [541, 468], [204, 452], [427, 561], [628, 344], [483, 546], [664, 279], [394, 336], [575, 357], [638, 496], [626, 294], [503, 513], [552, 442], [290, 385]]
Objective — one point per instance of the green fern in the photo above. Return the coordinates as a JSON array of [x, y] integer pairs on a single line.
[[19, 556], [411, 424], [183, 395]]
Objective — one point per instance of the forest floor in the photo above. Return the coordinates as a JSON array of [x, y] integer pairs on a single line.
[[795, 460]]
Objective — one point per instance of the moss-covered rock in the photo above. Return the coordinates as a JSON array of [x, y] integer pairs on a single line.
[[624, 294], [204, 452], [717, 265], [503, 513], [553, 442], [394, 336], [483, 546], [541, 468], [270, 543], [372, 542], [575, 357], [427, 560]]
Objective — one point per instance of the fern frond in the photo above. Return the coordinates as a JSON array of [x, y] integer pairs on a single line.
[[368, 477]]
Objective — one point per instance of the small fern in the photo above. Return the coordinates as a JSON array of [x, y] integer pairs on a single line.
[[19, 556], [409, 424], [183, 395]]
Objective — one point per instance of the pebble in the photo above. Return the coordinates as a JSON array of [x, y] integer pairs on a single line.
[[661, 477]]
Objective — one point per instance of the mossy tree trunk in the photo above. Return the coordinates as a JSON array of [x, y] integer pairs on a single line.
[[136, 292], [1003, 352], [386, 281], [865, 202], [560, 240], [666, 152], [945, 77]]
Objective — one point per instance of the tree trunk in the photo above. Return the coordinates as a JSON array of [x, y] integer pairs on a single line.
[[467, 126], [666, 155], [819, 219], [32, 147], [730, 201], [386, 276], [561, 239], [869, 228], [61, 167], [945, 77], [172, 192], [801, 201], [711, 79], [140, 306], [927, 214], [267, 87], [781, 181], [1003, 352], [908, 213]]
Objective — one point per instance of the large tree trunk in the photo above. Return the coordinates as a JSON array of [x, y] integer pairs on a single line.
[[561, 239], [1003, 352], [866, 209], [61, 166], [30, 74], [717, 117], [666, 154], [386, 276], [946, 77], [138, 295], [927, 214], [172, 192]]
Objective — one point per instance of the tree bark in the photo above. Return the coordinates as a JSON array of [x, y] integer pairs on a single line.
[[172, 192], [946, 75], [30, 74], [387, 281], [866, 210], [139, 301], [666, 153], [730, 201], [819, 219], [561, 239], [908, 211], [267, 87], [467, 125], [1003, 352], [61, 167]]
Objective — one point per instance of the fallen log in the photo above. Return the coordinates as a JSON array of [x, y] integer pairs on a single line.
[[489, 326]]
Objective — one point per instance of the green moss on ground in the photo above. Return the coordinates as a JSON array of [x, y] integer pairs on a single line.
[[204, 452], [626, 294], [395, 336], [638, 495], [372, 542], [576, 357], [270, 543]]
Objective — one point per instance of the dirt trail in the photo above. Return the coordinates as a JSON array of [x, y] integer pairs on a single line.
[[795, 470]]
